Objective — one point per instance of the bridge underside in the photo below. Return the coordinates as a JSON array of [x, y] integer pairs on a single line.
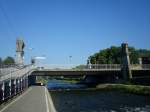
[[135, 73], [75, 73], [139, 76]]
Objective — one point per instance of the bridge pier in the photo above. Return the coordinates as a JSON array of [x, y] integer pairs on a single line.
[[126, 68]]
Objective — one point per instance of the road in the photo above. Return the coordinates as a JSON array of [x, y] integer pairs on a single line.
[[35, 99]]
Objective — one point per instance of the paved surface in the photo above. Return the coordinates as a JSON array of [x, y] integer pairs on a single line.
[[35, 99]]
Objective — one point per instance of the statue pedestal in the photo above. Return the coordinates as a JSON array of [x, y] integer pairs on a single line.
[[19, 51], [19, 58]]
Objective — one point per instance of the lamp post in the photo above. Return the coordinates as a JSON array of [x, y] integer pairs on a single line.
[[30, 54], [89, 63], [38, 58], [70, 59]]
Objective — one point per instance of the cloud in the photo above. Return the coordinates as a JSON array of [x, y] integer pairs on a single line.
[[40, 58]]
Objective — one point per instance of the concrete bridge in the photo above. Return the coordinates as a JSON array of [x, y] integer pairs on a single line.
[[14, 79], [100, 70], [96, 72]]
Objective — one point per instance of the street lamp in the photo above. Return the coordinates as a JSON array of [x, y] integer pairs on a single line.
[[38, 58], [70, 59], [30, 53]]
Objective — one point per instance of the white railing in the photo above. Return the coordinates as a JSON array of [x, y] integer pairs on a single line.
[[92, 66], [77, 66], [6, 69], [11, 73], [140, 67], [104, 66]]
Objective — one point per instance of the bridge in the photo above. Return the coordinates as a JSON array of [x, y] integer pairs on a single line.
[[15, 79], [93, 69]]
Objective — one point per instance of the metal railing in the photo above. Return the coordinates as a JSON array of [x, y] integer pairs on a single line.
[[14, 71], [79, 67], [140, 67], [104, 66], [92, 66], [6, 69]]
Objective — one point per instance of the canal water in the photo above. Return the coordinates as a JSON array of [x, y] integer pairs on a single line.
[[67, 98]]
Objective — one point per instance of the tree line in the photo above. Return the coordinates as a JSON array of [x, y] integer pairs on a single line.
[[7, 60], [113, 54]]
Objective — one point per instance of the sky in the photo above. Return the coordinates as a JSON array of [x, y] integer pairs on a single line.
[[69, 31]]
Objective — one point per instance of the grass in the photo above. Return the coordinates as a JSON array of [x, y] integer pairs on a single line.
[[42, 80], [74, 81], [135, 89]]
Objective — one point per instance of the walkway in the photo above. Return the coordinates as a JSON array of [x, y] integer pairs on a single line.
[[35, 99]]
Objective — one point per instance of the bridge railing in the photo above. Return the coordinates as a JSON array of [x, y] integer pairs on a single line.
[[104, 66], [140, 66], [6, 69], [92, 66], [14, 73], [80, 67]]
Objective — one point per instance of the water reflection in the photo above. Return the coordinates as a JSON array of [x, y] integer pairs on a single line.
[[60, 84]]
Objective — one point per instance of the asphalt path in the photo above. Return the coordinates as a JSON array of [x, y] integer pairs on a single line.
[[35, 99]]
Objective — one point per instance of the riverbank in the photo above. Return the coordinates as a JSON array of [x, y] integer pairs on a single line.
[[134, 89]]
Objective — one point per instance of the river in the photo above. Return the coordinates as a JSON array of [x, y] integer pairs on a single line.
[[67, 98]]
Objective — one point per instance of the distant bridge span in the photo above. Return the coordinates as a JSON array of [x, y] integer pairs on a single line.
[[95, 69]]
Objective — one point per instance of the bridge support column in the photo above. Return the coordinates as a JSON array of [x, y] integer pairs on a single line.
[[126, 68]]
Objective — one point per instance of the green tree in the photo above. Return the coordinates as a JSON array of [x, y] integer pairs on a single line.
[[1, 61], [9, 60], [134, 55], [112, 55], [80, 67]]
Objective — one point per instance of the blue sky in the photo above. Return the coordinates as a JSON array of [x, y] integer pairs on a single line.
[[58, 29]]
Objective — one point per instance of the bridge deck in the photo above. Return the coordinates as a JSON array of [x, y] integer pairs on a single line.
[[35, 99]]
